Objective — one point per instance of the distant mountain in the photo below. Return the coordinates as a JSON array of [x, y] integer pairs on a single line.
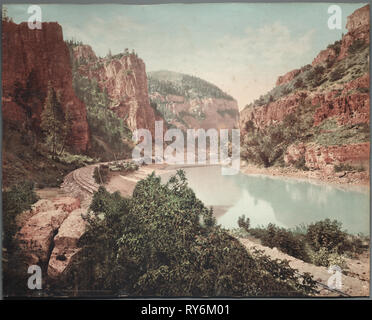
[[190, 102]]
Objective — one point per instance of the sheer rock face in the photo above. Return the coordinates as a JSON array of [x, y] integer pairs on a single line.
[[273, 112], [349, 107], [31, 60], [125, 80], [358, 28], [319, 157]]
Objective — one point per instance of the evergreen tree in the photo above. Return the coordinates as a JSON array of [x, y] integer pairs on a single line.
[[54, 122]]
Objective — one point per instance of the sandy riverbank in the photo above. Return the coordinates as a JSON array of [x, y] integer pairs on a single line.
[[345, 180]]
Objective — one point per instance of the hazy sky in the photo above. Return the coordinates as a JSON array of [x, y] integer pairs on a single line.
[[242, 48]]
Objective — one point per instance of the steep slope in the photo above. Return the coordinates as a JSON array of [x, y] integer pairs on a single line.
[[317, 116], [189, 102], [123, 78], [31, 60]]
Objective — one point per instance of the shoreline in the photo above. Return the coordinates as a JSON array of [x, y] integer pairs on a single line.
[[349, 181]]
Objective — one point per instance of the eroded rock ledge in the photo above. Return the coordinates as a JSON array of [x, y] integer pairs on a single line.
[[52, 233]]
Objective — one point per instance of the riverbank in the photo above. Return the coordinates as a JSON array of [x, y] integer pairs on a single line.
[[355, 279], [345, 180]]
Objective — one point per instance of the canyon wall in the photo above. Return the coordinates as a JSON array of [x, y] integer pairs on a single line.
[[32, 59], [333, 89], [124, 79]]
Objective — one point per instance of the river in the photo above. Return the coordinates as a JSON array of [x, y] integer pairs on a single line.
[[285, 202]]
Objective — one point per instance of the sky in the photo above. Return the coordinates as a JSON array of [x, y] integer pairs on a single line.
[[240, 47]]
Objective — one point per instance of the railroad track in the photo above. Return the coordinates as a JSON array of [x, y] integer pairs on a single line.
[[84, 178], [80, 182]]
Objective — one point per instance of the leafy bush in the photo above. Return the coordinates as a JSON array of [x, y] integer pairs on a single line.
[[16, 200], [326, 234], [326, 258], [78, 160], [164, 242], [124, 166], [244, 223], [285, 240], [101, 174], [322, 243]]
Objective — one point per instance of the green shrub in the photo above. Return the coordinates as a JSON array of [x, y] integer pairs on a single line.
[[325, 258], [16, 200], [326, 234], [101, 174], [244, 223], [285, 240], [163, 242]]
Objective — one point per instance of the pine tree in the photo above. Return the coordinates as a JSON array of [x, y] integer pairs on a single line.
[[54, 122]]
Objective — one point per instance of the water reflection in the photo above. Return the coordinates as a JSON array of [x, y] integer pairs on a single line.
[[287, 203]]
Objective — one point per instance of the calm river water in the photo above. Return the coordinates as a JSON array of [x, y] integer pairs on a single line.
[[284, 202]]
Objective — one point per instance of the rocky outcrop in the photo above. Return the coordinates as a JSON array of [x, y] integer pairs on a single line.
[[273, 112], [36, 235], [32, 59], [287, 77], [351, 106], [325, 56], [124, 79], [321, 157], [66, 243], [358, 28]]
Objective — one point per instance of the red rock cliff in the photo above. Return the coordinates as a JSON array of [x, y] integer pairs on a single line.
[[124, 77], [31, 60], [345, 101]]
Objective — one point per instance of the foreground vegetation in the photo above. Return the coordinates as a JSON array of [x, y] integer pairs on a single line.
[[16, 200], [164, 242], [322, 243]]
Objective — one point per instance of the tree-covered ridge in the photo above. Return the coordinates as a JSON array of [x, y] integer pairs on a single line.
[[190, 87]]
